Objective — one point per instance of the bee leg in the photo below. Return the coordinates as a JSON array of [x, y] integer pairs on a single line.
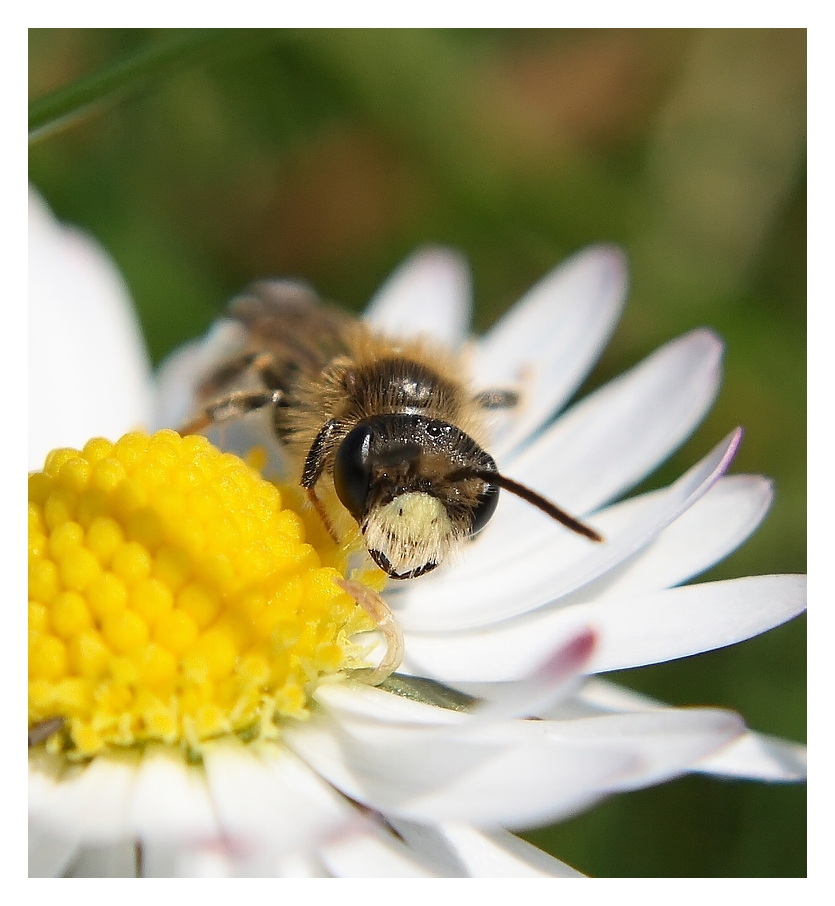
[[317, 505], [496, 399], [314, 465], [42, 730], [262, 364], [231, 407], [377, 609]]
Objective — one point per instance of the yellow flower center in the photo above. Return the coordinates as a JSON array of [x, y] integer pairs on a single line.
[[172, 598]]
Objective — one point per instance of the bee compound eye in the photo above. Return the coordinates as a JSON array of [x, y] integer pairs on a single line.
[[488, 501], [352, 470]]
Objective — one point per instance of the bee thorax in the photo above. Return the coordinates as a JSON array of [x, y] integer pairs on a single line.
[[409, 535]]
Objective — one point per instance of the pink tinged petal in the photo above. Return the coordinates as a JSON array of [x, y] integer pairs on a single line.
[[546, 344], [758, 757], [88, 370], [94, 802], [469, 598], [270, 804], [49, 853], [372, 853], [214, 861], [170, 800], [482, 854], [537, 690], [429, 295], [551, 682], [645, 629], [205, 862]]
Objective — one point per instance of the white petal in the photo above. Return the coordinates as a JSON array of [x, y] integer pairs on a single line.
[[176, 379], [170, 800], [617, 435], [160, 860], [631, 632], [604, 696], [180, 374], [372, 853], [113, 860], [205, 862], [550, 681], [754, 756], [359, 701], [546, 344], [603, 445], [383, 765], [44, 773], [88, 370], [702, 536], [667, 741], [552, 769], [758, 757], [302, 864], [94, 801], [429, 295], [683, 621], [269, 804], [476, 597], [493, 775], [482, 854], [49, 853]]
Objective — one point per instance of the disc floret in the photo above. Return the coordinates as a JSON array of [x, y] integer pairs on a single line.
[[173, 598]]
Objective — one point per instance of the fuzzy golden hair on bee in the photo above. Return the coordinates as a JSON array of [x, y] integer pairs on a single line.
[[379, 375], [384, 431]]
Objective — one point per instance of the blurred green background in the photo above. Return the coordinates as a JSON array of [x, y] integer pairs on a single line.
[[332, 154]]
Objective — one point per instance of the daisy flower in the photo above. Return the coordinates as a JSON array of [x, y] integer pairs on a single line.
[[199, 686]]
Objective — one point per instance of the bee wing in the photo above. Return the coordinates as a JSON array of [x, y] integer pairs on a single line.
[[429, 295], [280, 330], [286, 319]]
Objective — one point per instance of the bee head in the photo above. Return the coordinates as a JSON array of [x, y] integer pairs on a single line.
[[409, 482]]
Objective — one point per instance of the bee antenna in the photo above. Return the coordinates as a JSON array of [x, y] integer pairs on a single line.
[[529, 496]]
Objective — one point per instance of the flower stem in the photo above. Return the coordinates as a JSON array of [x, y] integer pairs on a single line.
[[68, 105]]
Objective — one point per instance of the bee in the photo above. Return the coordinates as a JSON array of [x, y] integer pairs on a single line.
[[386, 430]]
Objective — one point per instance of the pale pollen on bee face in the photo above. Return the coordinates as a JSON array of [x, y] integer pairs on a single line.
[[410, 531]]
